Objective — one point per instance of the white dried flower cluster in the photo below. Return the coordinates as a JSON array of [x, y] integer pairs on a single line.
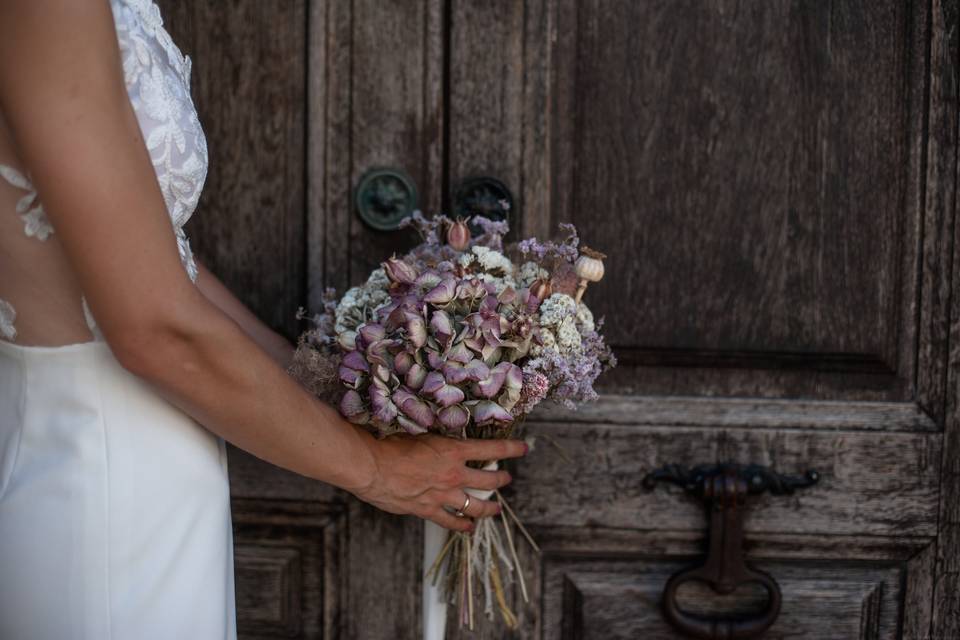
[[487, 259], [558, 326], [530, 272], [568, 337], [555, 308], [359, 303], [585, 318], [499, 283]]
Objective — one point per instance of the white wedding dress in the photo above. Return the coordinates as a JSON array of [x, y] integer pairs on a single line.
[[114, 504]]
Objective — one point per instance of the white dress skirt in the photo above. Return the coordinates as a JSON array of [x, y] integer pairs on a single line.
[[114, 505]]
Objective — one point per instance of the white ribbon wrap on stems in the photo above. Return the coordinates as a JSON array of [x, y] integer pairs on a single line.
[[434, 537]]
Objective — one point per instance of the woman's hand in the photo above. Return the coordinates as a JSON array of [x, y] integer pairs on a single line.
[[421, 475]]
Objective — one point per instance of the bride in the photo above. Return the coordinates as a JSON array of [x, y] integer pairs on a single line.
[[125, 364]]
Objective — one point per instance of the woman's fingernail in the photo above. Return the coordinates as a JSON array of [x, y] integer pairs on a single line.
[[526, 448]]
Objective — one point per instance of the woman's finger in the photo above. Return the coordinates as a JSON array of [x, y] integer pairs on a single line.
[[489, 480], [477, 449], [449, 521], [476, 508]]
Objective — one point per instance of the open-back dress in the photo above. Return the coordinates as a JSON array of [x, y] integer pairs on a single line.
[[114, 504]]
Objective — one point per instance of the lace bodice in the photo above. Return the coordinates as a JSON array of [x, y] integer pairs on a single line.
[[157, 76]]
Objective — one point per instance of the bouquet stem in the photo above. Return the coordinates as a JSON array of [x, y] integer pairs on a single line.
[[466, 564]]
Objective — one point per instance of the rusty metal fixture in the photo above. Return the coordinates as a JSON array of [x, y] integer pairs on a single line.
[[724, 489]]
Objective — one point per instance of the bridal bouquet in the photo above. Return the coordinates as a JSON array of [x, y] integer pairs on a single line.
[[462, 337]]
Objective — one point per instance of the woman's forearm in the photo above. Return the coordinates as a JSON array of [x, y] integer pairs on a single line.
[[204, 362], [269, 340]]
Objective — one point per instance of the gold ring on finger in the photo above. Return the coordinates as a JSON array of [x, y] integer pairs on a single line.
[[461, 512]]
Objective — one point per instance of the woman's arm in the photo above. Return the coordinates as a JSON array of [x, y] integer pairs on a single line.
[[269, 340], [63, 94]]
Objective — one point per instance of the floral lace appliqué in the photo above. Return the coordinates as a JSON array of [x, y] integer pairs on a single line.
[[7, 317], [157, 75], [35, 223]]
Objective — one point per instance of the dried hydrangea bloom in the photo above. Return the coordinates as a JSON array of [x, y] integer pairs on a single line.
[[529, 272], [554, 309]]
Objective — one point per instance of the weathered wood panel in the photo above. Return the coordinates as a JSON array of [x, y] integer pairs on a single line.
[[249, 89], [590, 475], [943, 207], [760, 184], [486, 93], [729, 156], [742, 413], [830, 562], [290, 568], [589, 599]]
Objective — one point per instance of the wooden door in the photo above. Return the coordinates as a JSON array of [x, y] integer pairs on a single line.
[[775, 183]]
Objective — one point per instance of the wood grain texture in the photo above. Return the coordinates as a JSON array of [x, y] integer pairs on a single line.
[[591, 474], [329, 175], [830, 564], [395, 117], [742, 413], [731, 165], [945, 111], [486, 93], [249, 89], [621, 599], [289, 568]]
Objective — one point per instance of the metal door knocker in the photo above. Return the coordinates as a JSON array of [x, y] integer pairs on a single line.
[[724, 488], [384, 197], [482, 195]]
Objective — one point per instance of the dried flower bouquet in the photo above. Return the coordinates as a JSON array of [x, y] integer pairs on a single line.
[[457, 338]]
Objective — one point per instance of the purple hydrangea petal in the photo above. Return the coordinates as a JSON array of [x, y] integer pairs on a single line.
[[415, 376], [442, 293], [428, 280], [350, 377], [410, 426], [418, 411], [433, 382], [384, 410], [442, 326], [355, 360], [370, 333], [402, 362], [448, 395], [454, 372], [488, 412], [435, 360], [353, 409], [476, 370], [490, 386], [416, 330], [401, 394], [454, 418], [460, 353]]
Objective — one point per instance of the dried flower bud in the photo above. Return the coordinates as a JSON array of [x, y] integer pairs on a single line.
[[458, 235], [542, 288], [399, 271], [589, 268], [590, 265], [347, 340]]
